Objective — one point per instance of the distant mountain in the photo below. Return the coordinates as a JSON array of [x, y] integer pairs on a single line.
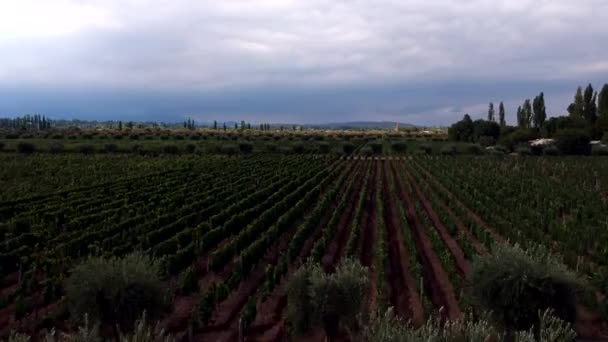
[[361, 125]]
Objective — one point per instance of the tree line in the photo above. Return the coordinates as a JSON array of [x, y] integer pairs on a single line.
[[587, 117]]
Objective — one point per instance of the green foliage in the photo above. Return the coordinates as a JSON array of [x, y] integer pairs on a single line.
[[573, 141], [143, 332], [116, 291], [376, 147], [348, 148], [515, 284], [486, 141], [389, 328], [1, 146], [86, 148], [188, 281], [425, 148], [550, 150], [473, 149], [605, 138], [540, 112], [110, 148], [448, 150], [297, 147], [271, 147], [245, 147], [170, 149], [462, 130], [517, 137], [399, 147], [315, 297], [56, 148], [599, 150], [190, 148], [26, 148], [482, 128], [323, 147]]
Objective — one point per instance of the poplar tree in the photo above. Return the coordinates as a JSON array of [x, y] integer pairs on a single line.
[[491, 112]]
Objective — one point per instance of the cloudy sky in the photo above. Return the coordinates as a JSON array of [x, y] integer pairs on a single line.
[[418, 61]]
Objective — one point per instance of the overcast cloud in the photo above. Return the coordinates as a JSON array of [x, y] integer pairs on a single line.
[[417, 61]]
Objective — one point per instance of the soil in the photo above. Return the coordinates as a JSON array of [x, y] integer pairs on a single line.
[[436, 279]]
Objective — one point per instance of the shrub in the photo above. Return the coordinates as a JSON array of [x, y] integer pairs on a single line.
[[605, 138], [297, 147], [473, 149], [1, 146], [57, 136], [448, 150], [86, 148], [399, 147], [56, 148], [170, 149], [520, 136], [164, 137], [229, 149], [573, 141], [118, 137], [188, 281], [271, 147], [110, 148], [245, 147], [376, 147], [348, 148], [323, 147], [137, 148], [26, 148], [389, 328], [366, 151], [515, 285], [599, 150], [426, 148], [315, 298], [134, 136], [178, 137], [190, 148], [523, 149], [116, 291], [550, 150], [486, 141]]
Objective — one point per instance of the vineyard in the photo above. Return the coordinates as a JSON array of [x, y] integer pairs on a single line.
[[243, 226]]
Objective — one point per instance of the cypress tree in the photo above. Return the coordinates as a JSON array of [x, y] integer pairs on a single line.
[[540, 113], [575, 109], [501, 114], [491, 112], [589, 106]]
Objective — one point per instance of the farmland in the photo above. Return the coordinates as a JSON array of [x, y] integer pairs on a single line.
[[244, 225]]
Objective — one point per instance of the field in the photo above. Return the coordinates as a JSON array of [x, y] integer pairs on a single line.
[[245, 225]]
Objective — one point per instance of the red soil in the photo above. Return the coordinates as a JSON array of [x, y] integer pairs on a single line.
[[404, 296], [368, 237], [436, 279], [462, 264], [336, 247]]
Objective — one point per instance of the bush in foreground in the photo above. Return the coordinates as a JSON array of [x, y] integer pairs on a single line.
[[573, 141], [26, 148], [399, 147], [334, 300], [116, 291], [389, 328], [515, 284]]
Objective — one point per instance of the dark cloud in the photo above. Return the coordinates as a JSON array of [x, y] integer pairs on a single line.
[[426, 62]]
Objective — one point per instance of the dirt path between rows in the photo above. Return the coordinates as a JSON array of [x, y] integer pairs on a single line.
[[436, 279], [404, 296], [462, 264]]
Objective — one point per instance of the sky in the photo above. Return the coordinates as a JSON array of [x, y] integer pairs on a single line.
[[425, 62]]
